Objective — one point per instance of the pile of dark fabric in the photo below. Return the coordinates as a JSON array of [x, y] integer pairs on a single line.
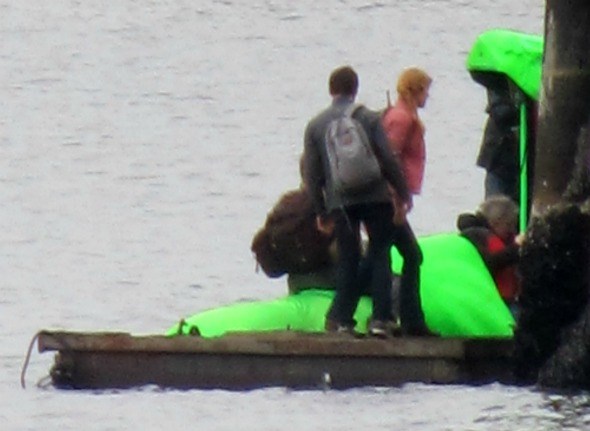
[[289, 242]]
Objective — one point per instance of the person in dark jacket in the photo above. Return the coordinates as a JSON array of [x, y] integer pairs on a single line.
[[499, 150], [372, 207]]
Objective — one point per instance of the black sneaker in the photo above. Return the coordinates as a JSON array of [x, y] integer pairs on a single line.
[[394, 328], [333, 327]]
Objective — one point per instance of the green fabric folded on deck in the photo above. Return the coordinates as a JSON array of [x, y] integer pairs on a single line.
[[459, 298]]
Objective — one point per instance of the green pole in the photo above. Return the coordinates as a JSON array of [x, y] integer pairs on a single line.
[[523, 213]]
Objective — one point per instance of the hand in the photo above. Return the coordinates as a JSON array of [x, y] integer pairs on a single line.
[[519, 239], [400, 213], [401, 209], [409, 204], [325, 225]]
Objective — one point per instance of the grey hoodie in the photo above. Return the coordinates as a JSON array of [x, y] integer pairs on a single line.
[[315, 163]]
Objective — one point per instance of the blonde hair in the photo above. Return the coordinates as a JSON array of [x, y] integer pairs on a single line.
[[410, 82]]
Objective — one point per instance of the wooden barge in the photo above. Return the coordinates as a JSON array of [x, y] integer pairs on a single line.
[[109, 360]]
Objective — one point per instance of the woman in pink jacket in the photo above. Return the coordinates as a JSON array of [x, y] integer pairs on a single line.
[[405, 133], [404, 129]]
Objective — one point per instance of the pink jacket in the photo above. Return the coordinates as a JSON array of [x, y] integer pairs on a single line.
[[405, 133]]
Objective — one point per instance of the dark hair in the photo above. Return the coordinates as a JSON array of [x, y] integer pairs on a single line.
[[344, 81]]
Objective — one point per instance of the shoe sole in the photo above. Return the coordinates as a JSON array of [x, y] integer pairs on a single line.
[[377, 333]]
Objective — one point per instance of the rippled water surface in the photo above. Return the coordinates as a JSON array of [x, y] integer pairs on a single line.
[[143, 142]]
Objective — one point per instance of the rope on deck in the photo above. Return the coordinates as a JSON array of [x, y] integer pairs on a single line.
[[27, 358]]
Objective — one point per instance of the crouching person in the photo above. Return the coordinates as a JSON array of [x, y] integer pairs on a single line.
[[493, 231]]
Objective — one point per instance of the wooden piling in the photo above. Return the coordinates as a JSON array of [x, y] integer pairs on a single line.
[[564, 104], [551, 336]]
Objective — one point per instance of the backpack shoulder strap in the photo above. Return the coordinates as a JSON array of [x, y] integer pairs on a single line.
[[351, 109]]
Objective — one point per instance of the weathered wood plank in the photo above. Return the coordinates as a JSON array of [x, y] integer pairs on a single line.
[[246, 361], [273, 343]]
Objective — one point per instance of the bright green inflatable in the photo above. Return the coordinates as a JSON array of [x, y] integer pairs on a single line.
[[518, 55], [459, 298]]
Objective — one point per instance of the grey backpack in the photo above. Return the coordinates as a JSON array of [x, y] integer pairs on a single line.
[[353, 164]]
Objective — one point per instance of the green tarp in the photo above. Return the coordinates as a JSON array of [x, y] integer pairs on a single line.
[[517, 55], [459, 298]]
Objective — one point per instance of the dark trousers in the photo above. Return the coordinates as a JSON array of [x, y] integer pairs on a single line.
[[377, 218], [408, 292], [411, 314], [497, 185]]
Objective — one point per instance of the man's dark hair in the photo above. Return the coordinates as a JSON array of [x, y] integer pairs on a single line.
[[344, 81]]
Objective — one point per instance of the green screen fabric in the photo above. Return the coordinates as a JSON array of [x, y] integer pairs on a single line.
[[459, 299], [459, 296], [304, 311], [517, 55]]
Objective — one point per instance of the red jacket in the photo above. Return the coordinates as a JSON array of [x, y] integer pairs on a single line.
[[500, 258], [506, 277]]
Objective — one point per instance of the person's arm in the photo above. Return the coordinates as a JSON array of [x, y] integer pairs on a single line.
[[503, 258], [469, 220], [390, 165], [312, 171], [478, 237], [494, 260], [401, 209]]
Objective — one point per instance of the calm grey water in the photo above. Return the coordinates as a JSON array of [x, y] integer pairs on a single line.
[[143, 142]]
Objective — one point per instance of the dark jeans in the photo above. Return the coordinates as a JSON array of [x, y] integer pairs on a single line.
[[498, 185], [408, 293], [411, 314], [377, 218]]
